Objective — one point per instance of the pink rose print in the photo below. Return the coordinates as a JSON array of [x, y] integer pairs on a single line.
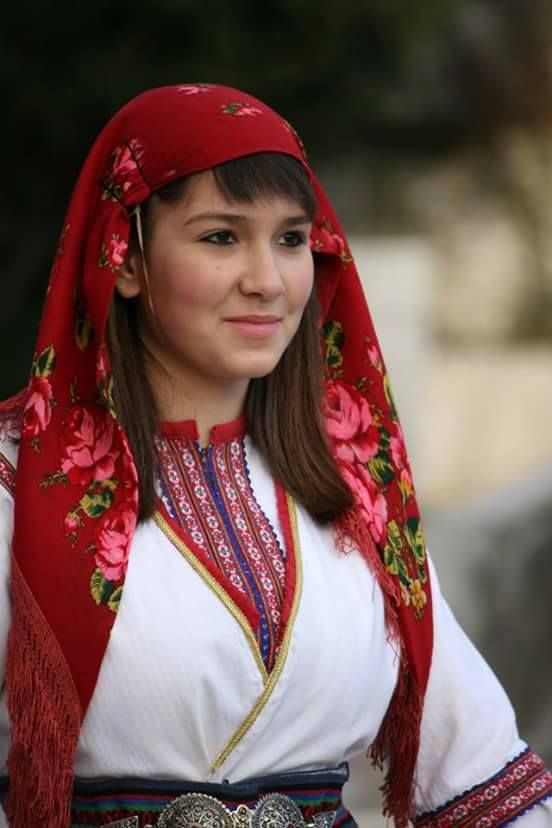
[[332, 241], [38, 410], [88, 452], [370, 501], [124, 176], [240, 109], [405, 483], [71, 523], [116, 251], [373, 356], [113, 253], [125, 168], [325, 240], [194, 88], [127, 478], [398, 449], [349, 423], [112, 544], [249, 110]]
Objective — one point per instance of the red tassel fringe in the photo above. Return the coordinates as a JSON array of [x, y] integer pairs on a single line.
[[398, 740], [45, 718], [397, 746]]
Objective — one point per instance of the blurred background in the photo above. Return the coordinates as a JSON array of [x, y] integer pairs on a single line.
[[430, 125]]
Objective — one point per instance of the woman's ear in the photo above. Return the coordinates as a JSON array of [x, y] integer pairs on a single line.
[[130, 279]]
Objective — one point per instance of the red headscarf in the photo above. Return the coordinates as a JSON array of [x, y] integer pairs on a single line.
[[76, 480]]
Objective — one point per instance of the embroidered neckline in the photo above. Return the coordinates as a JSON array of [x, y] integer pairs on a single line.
[[210, 501], [220, 433], [294, 589], [233, 601]]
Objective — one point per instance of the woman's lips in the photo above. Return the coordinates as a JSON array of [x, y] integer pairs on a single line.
[[256, 327]]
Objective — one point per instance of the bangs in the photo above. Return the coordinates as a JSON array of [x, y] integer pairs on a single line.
[[250, 178], [263, 176]]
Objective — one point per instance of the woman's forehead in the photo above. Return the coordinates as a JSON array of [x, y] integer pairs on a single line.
[[202, 193]]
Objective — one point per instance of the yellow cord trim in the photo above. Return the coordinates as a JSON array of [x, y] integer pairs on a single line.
[[282, 655], [217, 589]]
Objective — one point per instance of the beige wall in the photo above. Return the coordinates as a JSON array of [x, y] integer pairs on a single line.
[[476, 417]]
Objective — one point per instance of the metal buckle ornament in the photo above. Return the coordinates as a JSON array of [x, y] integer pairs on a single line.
[[194, 810]]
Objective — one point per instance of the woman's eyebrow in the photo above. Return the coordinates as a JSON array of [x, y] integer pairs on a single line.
[[238, 218], [301, 219], [216, 216]]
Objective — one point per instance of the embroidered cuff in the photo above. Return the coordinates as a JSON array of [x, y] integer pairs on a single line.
[[522, 783]]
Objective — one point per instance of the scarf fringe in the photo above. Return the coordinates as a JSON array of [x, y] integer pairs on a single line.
[[44, 716], [397, 746], [398, 740]]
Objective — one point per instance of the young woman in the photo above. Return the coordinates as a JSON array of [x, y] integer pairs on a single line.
[[215, 588]]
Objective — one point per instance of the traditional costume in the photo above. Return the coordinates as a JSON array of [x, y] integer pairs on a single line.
[[221, 662]]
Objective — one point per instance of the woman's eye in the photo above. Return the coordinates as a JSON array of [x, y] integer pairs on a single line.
[[220, 237], [293, 239]]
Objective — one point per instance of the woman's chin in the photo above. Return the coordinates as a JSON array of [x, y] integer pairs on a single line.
[[256, 365], [256, 369]]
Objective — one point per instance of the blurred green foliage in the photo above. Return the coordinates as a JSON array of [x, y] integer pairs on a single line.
[[401, 77]]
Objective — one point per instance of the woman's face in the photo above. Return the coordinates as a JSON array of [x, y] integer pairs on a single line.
[[228, 284]]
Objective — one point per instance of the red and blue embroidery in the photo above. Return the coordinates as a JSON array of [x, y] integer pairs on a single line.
[[7, 475], [99, 801], [208, 494], [523, 783]]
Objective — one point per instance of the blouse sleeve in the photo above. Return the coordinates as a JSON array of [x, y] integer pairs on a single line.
[[473, 769]]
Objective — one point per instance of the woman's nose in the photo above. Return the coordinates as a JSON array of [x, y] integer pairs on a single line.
[[262, 273]]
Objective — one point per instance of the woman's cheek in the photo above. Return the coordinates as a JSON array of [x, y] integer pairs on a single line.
[[304, 285], [184, 287]]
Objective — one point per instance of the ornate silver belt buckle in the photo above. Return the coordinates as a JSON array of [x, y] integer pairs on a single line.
[[194, 810]]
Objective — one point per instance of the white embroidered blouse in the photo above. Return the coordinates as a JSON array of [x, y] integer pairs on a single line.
[[184, 691]]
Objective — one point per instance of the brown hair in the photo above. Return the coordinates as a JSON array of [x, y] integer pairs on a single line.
[[291, 437]]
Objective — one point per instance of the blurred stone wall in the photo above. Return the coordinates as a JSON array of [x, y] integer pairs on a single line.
[[474, 402]]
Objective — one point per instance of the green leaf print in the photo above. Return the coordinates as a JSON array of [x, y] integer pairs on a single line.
[[115, 599], [101, 589], [392, 549], [381, 469], [415, 537], [45, 362], [389, 396], [95, 504], [335, 340]]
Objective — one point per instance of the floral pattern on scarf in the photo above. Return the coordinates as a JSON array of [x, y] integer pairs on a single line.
[[40, 401], [370, 451]]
